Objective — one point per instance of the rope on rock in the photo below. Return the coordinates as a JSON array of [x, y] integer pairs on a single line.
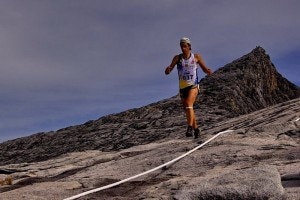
[[149, 171]]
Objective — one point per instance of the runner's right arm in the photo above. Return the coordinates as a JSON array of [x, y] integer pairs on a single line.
[[172, 65]]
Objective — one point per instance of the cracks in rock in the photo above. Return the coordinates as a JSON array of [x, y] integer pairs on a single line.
[[290, 133], [33, 180], [271, 147], [133, 153], [129, 189], [290, 180]]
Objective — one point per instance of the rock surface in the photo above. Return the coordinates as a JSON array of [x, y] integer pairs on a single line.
[[260, 159], [248, 84]]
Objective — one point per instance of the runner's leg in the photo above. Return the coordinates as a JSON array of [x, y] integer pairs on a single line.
[[190, 100]]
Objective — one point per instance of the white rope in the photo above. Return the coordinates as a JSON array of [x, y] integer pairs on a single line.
[[147, 172]]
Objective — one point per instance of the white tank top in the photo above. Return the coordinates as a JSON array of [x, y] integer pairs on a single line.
[[187, 71]]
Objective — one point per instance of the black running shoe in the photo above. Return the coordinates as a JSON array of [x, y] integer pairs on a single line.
[[189, 132], [197, 133]]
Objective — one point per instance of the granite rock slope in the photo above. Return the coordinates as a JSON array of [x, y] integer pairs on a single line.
[[260, 159]]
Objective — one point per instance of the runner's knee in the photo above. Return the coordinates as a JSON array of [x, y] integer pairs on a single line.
[[189, 107]]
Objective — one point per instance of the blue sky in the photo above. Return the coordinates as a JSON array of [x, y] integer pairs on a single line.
[[64, 62]]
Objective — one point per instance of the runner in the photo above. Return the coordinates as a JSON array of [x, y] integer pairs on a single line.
[[187, 65]]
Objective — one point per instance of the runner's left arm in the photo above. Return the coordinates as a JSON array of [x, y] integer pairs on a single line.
[[202, 64]]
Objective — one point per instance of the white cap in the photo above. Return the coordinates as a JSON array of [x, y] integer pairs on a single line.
[[185, 40]]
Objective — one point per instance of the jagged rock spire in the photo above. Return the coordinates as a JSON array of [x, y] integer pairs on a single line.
[[248, 84]]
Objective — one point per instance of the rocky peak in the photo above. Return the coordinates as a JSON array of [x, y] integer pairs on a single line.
[[247, 84]]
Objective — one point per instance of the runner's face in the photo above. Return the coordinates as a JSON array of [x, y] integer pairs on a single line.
[[185, 48]]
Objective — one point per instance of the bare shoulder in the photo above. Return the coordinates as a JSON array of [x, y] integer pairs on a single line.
[[198, 56], [175, 59]]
